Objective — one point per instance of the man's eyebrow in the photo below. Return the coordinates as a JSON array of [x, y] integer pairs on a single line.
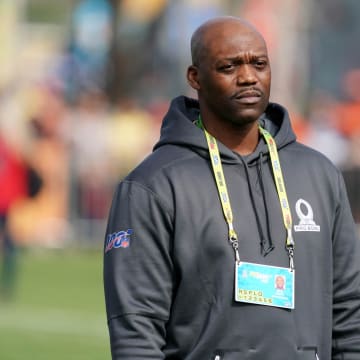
[[241, 57]]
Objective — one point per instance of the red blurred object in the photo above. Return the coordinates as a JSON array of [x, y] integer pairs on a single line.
[[13, 177]]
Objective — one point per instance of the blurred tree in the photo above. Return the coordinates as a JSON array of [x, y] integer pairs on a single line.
[[112, 75]]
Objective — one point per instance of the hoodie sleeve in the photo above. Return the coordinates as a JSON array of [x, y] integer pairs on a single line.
[[137, 273], [346, 283]]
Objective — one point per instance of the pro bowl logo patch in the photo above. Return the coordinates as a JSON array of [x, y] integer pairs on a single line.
[[120, 239], [305, 213]]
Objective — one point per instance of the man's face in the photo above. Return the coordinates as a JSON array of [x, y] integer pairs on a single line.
[[234, 74], [279, 282]]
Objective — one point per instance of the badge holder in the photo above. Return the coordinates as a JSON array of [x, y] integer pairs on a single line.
[[265, 285]]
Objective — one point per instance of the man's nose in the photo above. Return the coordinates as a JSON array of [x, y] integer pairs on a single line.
[[246, 74]]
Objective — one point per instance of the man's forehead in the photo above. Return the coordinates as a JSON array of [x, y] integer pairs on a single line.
[[236, 45], [225, 32], [223, 26]]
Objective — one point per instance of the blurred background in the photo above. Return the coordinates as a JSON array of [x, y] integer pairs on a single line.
[[84, 85]]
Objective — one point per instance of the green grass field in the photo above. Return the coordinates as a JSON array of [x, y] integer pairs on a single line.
[[58, 309]]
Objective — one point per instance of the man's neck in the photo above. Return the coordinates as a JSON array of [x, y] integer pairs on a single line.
[[241, 139]]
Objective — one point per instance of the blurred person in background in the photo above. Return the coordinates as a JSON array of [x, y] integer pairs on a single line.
[[348, 111], [42, 219], [18, 181], [13, 187], [324, 134], [227, 188], [85, 131], [348, 115], [88, 48]]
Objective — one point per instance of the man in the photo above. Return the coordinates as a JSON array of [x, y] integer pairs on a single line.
[[194, 244]]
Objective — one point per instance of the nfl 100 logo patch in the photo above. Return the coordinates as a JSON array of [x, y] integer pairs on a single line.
[[119, 239]]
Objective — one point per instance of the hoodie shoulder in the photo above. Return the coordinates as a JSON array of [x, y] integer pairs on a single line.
[[310, 155], [158, 161]]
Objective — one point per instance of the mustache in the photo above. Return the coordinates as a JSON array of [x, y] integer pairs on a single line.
[[250, 91]]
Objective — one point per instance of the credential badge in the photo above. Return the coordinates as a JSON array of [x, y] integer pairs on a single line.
[[305, 213]]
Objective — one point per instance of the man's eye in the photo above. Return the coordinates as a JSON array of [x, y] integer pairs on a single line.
[[227, 67], [260, 64]]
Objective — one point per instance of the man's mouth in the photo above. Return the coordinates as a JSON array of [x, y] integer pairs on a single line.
[[247, 96]]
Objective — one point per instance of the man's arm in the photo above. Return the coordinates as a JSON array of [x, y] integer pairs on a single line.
[[346, 282], [137, 273]]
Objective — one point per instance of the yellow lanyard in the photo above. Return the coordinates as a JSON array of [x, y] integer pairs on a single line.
[[281, 190], [225, 199]]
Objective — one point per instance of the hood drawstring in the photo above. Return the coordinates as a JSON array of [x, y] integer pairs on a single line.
[[262, 187], [265, 251], [260, 229]]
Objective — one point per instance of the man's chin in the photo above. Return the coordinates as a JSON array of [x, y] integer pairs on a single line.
[[248, 116]]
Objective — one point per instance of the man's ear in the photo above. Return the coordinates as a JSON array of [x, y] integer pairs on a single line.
[[193, 77]]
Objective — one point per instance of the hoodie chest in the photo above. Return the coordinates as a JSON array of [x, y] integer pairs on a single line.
[[257, 216]]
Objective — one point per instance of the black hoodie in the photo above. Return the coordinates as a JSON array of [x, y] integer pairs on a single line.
[[169, 268]]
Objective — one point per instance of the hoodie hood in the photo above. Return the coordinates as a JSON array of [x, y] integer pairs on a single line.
[[178, 129]]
